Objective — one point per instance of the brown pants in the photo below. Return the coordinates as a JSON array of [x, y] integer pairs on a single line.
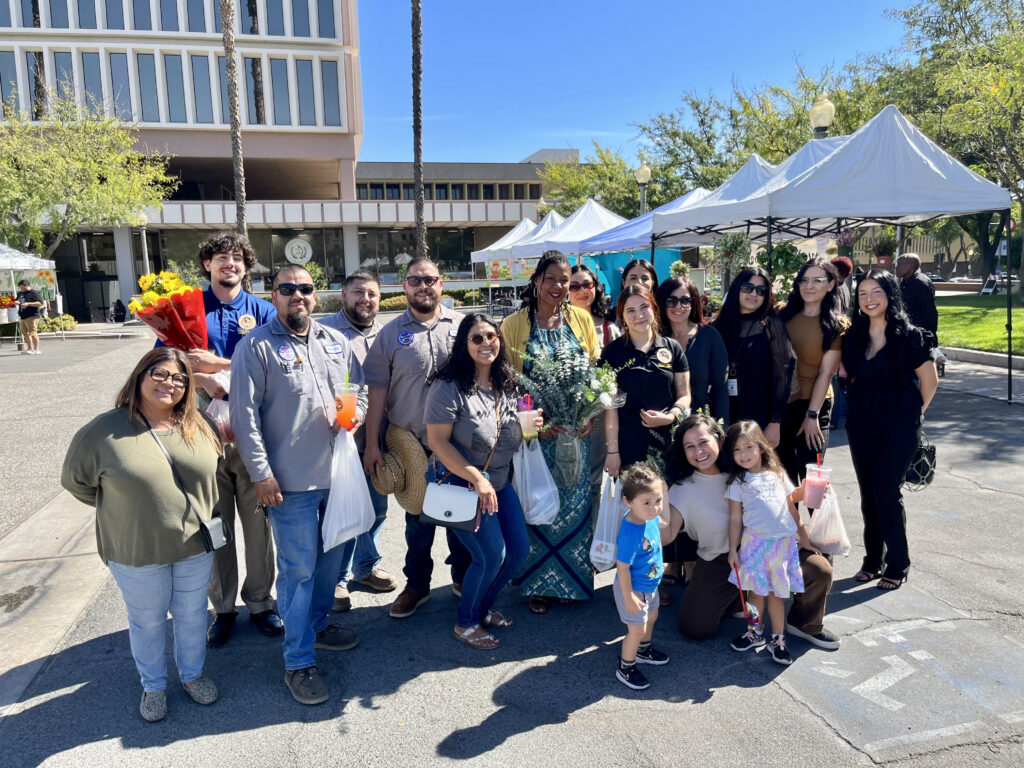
[[710, 597]]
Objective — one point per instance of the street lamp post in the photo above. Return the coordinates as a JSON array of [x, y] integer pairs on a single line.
[[823, 112], [643, 178], [142, 221]]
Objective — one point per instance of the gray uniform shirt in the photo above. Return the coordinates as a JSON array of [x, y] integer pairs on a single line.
[[361, 339], [475, 426], [405, 353], [282, 402]]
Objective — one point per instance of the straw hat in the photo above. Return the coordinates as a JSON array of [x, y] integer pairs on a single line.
[[404, 470]]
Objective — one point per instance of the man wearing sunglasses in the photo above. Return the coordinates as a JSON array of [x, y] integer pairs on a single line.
[[408, 350], [283, 378]]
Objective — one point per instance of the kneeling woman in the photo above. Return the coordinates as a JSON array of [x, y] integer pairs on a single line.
[[473, 430], [697, 493]]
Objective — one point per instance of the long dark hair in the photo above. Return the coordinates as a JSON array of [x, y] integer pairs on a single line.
[[669, 287], [529, 295], [599, 307], [750, 430], [641, 264], [897, 322], [620, 307], [460, 368], [831, 318], [676, 465], [729, 319]]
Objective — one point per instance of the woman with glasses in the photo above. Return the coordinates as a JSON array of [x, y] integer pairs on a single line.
[[148, 516], [473, 430], [815, 323], [761, 357]]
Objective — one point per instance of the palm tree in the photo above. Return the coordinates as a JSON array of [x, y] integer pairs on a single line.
[[417, 125], [227, 22]]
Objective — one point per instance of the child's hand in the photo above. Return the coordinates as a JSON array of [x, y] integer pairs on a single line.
[[734, 558], [804, 540], [633, 603]]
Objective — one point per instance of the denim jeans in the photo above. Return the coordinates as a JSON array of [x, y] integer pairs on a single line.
[[361, 556], [149, 592], [419, 539], [306, 575], [498, 550]]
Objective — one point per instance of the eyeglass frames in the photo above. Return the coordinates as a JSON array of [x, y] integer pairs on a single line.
[[417, 280], [678, 301], [480, 338], [760, 290], [287, 289], [160, 375]]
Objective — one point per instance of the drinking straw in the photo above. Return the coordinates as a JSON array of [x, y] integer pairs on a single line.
[[743, 597], [819, 459], [346, 389]]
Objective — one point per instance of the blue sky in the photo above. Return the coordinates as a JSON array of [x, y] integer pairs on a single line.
[[503, 78]]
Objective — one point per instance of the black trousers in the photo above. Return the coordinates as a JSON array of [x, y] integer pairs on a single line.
[[881, 451], [793, 451]]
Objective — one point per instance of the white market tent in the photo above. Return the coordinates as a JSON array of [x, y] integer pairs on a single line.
[[551, 221], [636, 233], [11, 258], [502, 248], [588, 220]]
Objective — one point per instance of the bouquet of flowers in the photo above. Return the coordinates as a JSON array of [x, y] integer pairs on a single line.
[[173, 309], [6, 302]]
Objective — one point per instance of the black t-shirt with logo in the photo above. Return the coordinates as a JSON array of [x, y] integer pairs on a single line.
[[26, 312]]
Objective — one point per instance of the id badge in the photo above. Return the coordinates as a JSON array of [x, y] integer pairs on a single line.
[[734, 387]]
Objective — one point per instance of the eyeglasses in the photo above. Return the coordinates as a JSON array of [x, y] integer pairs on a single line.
[[287, 289], [815, 281], [480, 338], [678, 301], [760, 290], [581, 286], [180, 380], [417, 280]]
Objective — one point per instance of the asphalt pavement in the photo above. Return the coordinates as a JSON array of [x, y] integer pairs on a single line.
[[931, 675]]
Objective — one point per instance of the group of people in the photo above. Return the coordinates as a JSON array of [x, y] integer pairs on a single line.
[[438, 394]]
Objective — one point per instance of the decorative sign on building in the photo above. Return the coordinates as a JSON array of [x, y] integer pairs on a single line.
[[298, 251]]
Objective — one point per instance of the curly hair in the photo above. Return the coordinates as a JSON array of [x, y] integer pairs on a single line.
[[226, 241], [548, 259], [641, 478], [460, 368], [676, 465]]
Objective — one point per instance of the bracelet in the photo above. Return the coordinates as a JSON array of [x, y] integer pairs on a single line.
[[612, 453]]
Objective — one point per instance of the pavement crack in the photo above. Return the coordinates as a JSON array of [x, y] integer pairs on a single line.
[[978, 485], [913, 758], [821, 719]]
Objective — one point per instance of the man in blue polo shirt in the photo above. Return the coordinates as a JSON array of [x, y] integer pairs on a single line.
[[231, 313]]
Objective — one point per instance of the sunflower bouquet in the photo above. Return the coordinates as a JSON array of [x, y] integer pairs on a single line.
[[173, 309]]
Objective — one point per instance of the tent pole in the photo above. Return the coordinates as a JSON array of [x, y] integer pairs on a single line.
[[769, 245], [652, 248], [1009, 313]]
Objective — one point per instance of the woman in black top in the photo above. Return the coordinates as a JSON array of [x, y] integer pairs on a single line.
[[761, 358], [883, 353]]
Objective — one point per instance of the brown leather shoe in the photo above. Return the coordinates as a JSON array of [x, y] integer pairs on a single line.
[[407, 602], [342, 599], [380, 581]]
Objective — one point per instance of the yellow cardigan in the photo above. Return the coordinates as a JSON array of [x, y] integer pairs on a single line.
[[516, 330]]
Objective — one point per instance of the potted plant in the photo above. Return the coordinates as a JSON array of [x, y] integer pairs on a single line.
[[884, 249], [844, 242]]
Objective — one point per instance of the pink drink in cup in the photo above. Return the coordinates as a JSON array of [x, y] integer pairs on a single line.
[[815, 483], [527, 416]]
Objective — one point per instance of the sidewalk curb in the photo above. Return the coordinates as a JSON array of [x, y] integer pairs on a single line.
[[977, 356]]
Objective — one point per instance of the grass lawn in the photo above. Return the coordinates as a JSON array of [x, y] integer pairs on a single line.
[[979, 322]]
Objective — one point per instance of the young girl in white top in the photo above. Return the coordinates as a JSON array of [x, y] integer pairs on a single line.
[[762, 506]]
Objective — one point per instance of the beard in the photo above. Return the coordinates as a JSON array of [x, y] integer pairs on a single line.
[[359, 315], [298, 320], [423, 303]]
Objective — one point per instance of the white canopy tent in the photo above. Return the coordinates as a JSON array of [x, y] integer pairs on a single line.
[[502, 248], [586, 221], [11, 259], [636, 233]]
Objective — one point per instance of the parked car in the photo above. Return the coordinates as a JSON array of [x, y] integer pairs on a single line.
[[936, 278]]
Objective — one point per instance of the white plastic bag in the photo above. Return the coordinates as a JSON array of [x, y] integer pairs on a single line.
[[533, 484], [349, 509], [219, 411], [609, 517], [826, 531]]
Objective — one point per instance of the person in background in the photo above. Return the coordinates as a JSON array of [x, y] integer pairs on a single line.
[[918, 297], [148, 511], [119, 312], [844, 268], [30, 307], [640, 272]]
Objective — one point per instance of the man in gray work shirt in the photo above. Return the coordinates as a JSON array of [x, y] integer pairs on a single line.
[[407, 352], [283, 413]]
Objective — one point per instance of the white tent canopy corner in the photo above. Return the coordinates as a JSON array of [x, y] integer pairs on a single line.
[[589, 219], [502, 248], [636, 233]]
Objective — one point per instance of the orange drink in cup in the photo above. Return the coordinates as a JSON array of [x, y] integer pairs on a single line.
[[345, 399]]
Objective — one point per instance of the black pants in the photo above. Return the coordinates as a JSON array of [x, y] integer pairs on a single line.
[[881, 451], [793, 451]]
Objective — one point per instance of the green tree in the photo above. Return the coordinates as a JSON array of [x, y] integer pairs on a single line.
[[72, 169], [604, 176]]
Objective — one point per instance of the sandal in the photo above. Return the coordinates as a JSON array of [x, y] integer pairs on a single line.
[[539, 604], [863, 577], [889, 584], [475, 637], [497, 619]]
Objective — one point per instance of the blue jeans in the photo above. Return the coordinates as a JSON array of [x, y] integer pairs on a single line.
[[306, 575], [361, 556], [498, 550], [419, 565], [149, 592]]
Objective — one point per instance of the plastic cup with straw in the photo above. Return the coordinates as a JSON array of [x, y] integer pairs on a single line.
[[345, 400]]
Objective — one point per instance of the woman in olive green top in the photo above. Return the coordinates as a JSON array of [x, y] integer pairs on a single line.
[[145, 531]]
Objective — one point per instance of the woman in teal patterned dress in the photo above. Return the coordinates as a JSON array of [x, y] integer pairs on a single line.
[[558, 566]]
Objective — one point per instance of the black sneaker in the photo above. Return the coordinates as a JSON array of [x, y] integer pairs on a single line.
[[651, 655], [306, 685], [780, 653], [748, 640], [335, 638], [825, 639], [632, 677]]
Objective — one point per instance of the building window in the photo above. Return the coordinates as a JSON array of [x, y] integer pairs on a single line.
[[428, 191], [201, 89], [254, 91], [175, 88], [93, 82], [195, 12], [504, 192], [300, 18], [59, 14], [332, 93], [5, 20], [440, 191], [225, 110], [325, 17], [141, 18], [535, 191], [8, 77], [488, 191], [408, 191], [307, 100], [275, 17], [362, 192], [248, 23], [457, 192], [64, 75], [169, 15], [30, 15], [279, 82], [86, 14], [120, 86], [147, 88], [36, 71], [392, 191], [216, 21], [376, 191], [115, 14], [472, 191], [518, 191]]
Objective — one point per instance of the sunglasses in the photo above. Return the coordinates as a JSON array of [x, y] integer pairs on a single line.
[[815, 281], [180, 380], [678, 301], [416, 281], [760, 290], [574, 287], [287, 289], [480, 338]]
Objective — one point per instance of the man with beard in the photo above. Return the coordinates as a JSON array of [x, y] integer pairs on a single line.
[[231, 314], [284, 416], [407, 352], [357, 320]]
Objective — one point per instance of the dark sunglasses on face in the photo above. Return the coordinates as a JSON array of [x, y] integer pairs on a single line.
[[678, 301], [180, 380], [760, 290], [287, 289], [581, 286], [480, 338], [815, 281], [416, 280]]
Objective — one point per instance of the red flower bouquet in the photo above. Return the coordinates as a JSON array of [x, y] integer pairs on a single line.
[[173, 309]]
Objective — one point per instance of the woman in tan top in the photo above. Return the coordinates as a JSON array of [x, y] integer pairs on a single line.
[[816, 324], [146, 531]]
